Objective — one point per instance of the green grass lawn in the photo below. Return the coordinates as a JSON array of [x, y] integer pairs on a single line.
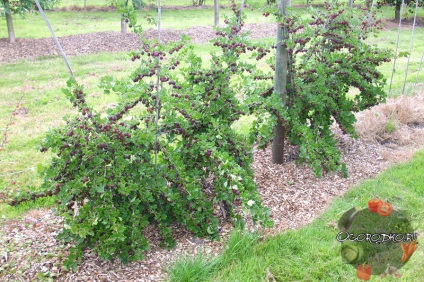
[[70, 23], [312, 253]]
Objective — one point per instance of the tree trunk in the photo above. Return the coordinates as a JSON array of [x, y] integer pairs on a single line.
[[351, 3], [397, 11], [10, 29], [85, 4], [123, 26], [123, 23], [280, 87], [216, 12]]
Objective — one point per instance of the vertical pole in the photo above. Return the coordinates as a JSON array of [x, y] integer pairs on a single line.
[[241, 10], [280, 87], [157, 90], [159, 18], [216, 12]]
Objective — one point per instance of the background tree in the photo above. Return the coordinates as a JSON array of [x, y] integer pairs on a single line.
[[198, 2], [326, 57], [398, 4], [9, 8], [216, 12], [280, 87], [128, 12]]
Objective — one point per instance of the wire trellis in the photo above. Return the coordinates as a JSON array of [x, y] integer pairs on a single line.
[[54, 38], [409, 53], [419, 69], [397, 47], [410, 46]]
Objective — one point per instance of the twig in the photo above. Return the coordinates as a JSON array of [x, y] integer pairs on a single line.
[[11, 118], [16, 172], [267, 92]]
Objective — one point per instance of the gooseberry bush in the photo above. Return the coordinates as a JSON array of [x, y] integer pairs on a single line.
[[332, 73], [165, 155]]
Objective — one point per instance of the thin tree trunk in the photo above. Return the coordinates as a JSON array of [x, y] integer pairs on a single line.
[[351, 3], [397, 11], [216, 12], [123, 23], [123, 26], [10, 29], [280, 87], [85, 4]]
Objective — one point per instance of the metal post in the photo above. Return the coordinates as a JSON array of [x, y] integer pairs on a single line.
[[54, 37]]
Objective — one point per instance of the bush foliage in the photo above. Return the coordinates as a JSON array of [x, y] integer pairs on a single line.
[[167, 155], [327, 58]]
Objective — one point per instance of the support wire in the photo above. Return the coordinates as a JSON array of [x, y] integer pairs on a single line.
[[397, 46], [54, 37], [419, 69], [410, 46]]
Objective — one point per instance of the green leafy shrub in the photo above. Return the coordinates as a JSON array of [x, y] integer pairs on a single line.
[[166, 154], [327, 56]]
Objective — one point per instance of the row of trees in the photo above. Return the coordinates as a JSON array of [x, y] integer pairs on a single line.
[[8, 8], [20, 7]]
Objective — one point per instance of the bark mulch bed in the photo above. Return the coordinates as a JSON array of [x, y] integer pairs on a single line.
[[74, 45], [29, 250], [80, 44]]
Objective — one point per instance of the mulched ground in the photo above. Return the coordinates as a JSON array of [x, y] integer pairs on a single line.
[[29, 250], [74, 45]]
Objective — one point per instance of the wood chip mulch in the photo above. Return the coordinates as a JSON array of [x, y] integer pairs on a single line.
[[29, 250], [74, 45], [80, 44]]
